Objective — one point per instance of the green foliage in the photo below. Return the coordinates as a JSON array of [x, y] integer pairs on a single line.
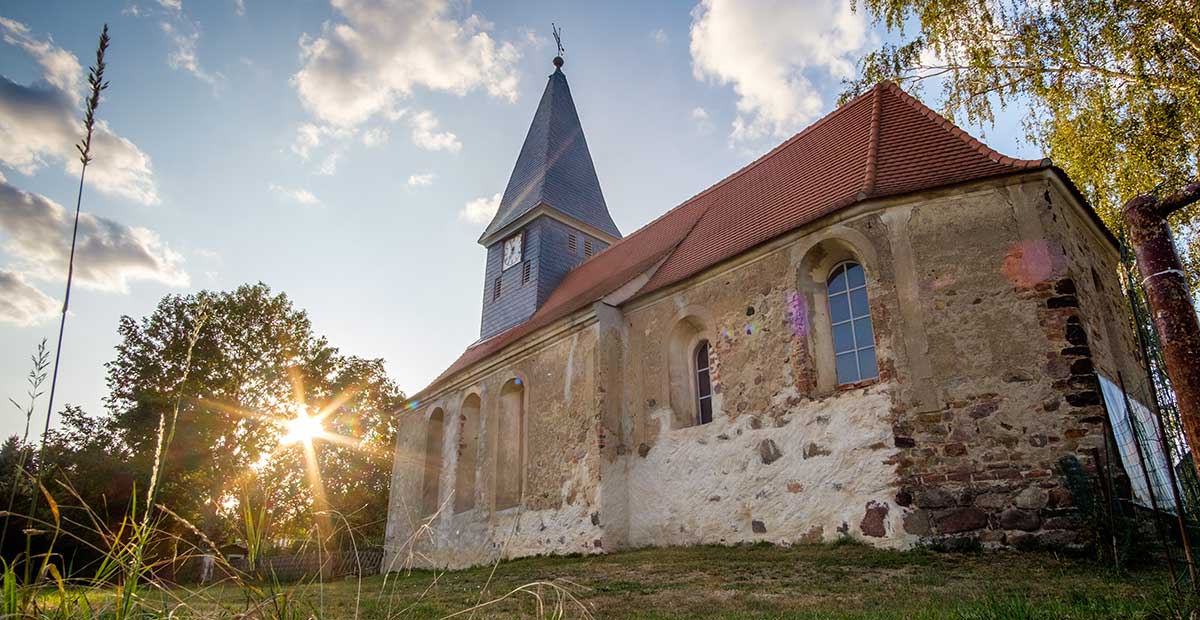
[[201, 433], [256, 360], [1109, 87]]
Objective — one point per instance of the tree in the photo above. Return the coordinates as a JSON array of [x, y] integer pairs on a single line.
[[256, 365], [1109, 87]]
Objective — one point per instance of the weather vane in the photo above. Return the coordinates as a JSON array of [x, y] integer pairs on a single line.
[[558, 60]]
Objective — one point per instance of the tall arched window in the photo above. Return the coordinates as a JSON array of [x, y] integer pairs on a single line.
[[468, 452], [510, 447], [703, 383], [433, 463], [853, 338]]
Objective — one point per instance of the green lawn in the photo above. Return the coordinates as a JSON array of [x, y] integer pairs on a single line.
[[829, 581]]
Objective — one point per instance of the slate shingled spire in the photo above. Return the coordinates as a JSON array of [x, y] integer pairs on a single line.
[[554, 167]]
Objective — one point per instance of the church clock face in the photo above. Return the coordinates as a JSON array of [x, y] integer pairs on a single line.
[[512, 250]]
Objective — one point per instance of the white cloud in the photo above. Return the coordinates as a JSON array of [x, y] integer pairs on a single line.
[[109, 254], [39, 123], [425, 135], [363, 64], [374, 136], [419, 180], [702, 120], [185, 36], [174, 5], [208, 255], [21, 303], [239, 7], [62, 69], [297, 195], [770, 51], [310, 137], [329, 164], [481, 210], [660, 38]]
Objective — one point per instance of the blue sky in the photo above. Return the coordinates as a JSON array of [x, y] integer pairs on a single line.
[[347, 152]]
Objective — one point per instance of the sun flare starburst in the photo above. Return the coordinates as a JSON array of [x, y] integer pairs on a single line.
[[302, 428]]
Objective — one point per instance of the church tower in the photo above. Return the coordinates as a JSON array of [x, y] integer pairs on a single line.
[[552, 215]]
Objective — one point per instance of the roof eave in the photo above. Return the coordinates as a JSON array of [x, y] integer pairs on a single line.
[[487, 239]]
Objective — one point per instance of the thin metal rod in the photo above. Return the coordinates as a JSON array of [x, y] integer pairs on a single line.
[[1137, 443], [1176, 492], [1108, 489]]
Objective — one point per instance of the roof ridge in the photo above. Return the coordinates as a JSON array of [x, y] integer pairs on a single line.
[[541, 184], [803, 132], [872, 168], [739, 172], [954, 130]]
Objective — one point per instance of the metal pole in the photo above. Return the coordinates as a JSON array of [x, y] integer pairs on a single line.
[[1166, 288]]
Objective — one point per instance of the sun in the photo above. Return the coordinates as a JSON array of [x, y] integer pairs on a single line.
[[302, 429]]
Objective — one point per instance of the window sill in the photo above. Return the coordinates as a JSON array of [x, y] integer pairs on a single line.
[[507, 510], [847, 387]]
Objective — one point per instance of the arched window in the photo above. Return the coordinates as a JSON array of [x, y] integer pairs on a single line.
[[703, 384], [468, 451], [853, 338], [510, 449], [433, 463]]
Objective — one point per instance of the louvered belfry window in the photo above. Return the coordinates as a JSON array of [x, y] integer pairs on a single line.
[[496, 290], [587, 247], [525, 269], [572, 243]]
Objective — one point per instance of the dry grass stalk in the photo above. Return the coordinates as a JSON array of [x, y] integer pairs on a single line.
[[97, 84]]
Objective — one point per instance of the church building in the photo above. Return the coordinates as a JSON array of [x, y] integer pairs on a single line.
[[881, 329]]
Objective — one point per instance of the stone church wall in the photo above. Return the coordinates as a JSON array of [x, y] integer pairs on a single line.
[[999, 300], [990, 304], [559, 470], [789, 456]]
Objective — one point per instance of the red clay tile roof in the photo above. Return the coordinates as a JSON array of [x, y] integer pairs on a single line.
[[883, 143]]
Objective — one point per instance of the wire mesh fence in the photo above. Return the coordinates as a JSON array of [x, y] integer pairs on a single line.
[[1155, 421], [1147, 429], [1140, 447]]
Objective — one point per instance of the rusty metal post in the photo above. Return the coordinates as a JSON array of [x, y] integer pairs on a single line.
[[1171, 308]]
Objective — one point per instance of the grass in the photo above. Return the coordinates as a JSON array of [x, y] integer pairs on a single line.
[[825, 581]]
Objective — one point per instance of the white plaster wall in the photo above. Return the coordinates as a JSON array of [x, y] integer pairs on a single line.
[[470, 538], [706, 484]]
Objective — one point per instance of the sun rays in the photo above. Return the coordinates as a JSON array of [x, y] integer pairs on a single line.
[[308, 429], [303, 428]]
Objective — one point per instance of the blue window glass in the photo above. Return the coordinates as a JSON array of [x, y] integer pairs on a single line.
[[850, 316], [703, 384], [839, 307]]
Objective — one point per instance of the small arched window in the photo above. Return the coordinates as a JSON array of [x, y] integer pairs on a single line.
[[468, 452], [430, 487], [853, 337], [510, 445], [703, 383]]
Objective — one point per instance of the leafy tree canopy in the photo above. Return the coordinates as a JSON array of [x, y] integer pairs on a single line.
[[1111, 88], [256, 364]]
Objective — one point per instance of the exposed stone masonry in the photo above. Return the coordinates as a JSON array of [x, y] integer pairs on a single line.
[[991, 309]]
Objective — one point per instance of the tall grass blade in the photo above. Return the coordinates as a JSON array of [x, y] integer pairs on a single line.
[[97, 83]]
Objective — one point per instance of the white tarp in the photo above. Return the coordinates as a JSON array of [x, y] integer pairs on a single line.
[[1152, 446]]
